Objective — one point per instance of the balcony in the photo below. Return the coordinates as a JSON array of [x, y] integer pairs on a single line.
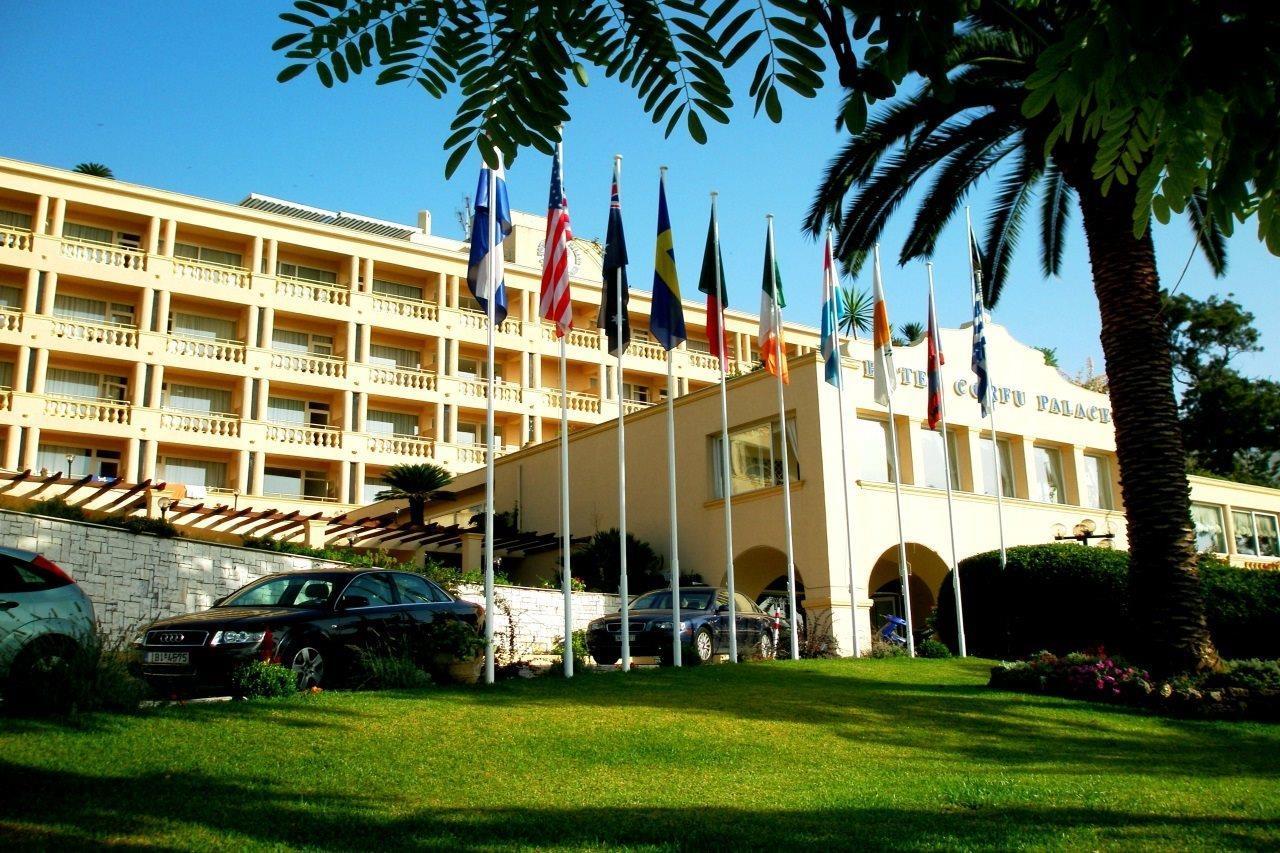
[[409, 309], [206, 349], [647, 349], [402, 446], [706, 361], [209, 425], [402, 377], [575, 338], [103, 254], [6, 400], [86, 409], [312, 291], [309, 363], [10, 320], [464, 457], [588, 404], [465, 318], [305, 435], [199, 273], [15, 238], [97, 335], [503, 392], [629, 406]]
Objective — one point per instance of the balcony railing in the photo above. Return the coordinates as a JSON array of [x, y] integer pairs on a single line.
[[295, 496], [411, 309], [629, 406], [200, 272], [468, 319], [647, 349], [577, 401], [575, 338], [316, 365], [211, 349], [403, 377], [10, 320], [87, 409], [305, 435], [6, 399], [704, 361], [106, 334], [506, 392], [103, 254], [15, 238], [468, 454], [312, 291], [201, 423], [410, 446]]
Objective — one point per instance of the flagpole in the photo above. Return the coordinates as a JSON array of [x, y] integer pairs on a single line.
[[786, 462], [726, 486], [488, 475], [976, 295], [622, 463], [844, 461], [676, 651], [566, 576], [946, 465], [903, 573]]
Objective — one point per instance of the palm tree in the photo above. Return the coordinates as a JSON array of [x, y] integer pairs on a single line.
[[961, 135], [911, 332], [98, 170], [856, 310], [417, 484]]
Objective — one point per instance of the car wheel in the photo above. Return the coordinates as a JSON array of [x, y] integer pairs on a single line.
[[308, 665], [704, 646], [768, 651], [605, 660], [41, 665]]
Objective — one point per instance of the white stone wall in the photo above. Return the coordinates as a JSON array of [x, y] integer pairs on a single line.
[[134, 579]]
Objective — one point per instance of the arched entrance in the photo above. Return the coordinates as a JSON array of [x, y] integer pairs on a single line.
[[760, 574], [926, 571]]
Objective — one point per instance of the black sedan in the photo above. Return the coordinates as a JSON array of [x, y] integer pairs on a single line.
[[314, 622], [704, 627]]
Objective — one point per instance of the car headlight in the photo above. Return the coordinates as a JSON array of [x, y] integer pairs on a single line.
[[666, 626], [237, 638], [139, 639]]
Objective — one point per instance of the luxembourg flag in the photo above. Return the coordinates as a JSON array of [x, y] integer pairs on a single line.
[[830, 316], [485, 265]]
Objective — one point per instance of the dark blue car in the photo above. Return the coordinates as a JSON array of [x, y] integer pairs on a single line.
[[704, 627]]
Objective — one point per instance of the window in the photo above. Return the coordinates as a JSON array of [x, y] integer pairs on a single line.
[[16, 577], [294, 483], [394, 357], [372, 487], [197, 326], [80, 383], [1095, 483], [935, 462], [1049, 475], [305, 273], [205, 255], [1207, 522], [989, 467], [87, 233], [469, 434], [697, 346], [744, 604], [287, 340], [282, 410], [1255, 534], [6, 374], [85, 461], [391, 423], [875, 457], [418, 590], [755, 458], [14, 219], [10, 297], [635, 393], [376, 589], [467, 302], [93, 310], [192, 398], [194, 472], [401, 291], [474, 368]]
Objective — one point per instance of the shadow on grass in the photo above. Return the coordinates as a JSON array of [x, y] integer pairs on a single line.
[[188, 808]]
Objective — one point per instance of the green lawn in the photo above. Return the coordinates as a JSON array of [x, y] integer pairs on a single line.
[[889, 753]]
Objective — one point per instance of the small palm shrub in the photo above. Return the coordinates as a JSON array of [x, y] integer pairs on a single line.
[[262, 679]]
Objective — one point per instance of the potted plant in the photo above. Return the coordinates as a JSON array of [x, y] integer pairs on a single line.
[[455, 647]]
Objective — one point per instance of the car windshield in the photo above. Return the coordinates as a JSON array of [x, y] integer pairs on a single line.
[[287, 591], [690, 599]]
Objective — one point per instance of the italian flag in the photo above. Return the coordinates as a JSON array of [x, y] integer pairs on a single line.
[[773, 350]]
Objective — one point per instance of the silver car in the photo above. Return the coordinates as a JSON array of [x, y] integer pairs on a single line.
[[45, 617]]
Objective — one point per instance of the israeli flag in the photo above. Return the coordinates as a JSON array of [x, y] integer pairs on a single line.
[[485, 264]]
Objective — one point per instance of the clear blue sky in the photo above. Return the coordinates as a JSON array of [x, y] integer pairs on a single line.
[[182, 95]]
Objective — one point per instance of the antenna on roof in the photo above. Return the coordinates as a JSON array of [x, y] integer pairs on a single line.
[[464, 217]]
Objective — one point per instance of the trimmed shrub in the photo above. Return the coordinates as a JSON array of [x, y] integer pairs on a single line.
[[92, 677], [389, 670], [138, 524], [885, 649], [580, 653], [932, 648], [264, 680], [56, 508], [1243, 610], [1059, 597]]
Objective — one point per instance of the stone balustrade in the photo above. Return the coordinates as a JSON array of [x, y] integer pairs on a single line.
[[311, 363], [10, 320], [201, 423], [211, 349], [403, 377], [577, 401], [87, 409], [15, 238], [312, 291], [103, 254], [199, 273], [105, 334], [305, 435], [410, 446], [411, 309], [647, 349]]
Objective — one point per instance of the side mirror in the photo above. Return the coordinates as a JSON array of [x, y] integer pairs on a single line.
[[723, 608], [217, 602], [351, 602]]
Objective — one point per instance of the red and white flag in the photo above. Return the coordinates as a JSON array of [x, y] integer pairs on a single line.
[[555, 304]]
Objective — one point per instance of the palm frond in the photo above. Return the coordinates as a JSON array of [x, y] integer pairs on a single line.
[[1056, 197], [1209, 238], [1004, 223], [856, 311]]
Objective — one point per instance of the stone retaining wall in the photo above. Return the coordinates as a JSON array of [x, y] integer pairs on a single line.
[[134, 578]]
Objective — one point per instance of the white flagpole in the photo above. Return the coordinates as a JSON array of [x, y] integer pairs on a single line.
[[726, 479], [946, 465], [786, 464], [844, 463], [903, 573], [488, 474], [676, 656], [566, 578], [975, 295], [622, 463]]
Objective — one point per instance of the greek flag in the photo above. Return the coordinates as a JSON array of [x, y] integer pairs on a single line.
[[979, 363], [485, 265]]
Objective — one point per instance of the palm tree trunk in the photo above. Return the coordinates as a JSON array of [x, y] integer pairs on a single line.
[[1166, 606]]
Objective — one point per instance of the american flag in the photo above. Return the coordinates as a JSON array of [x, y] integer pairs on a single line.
[[555, 304]]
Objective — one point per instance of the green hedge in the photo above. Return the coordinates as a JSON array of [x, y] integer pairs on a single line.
[[1066, 598]]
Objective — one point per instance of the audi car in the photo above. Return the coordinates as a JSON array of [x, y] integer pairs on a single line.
[[314, 622], [704, 628]]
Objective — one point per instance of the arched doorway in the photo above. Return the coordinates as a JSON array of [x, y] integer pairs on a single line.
[[760, 574], [926, 571]]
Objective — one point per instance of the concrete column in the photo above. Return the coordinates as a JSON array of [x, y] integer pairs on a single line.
[[132, 460], [170, 236], [256, 255], [442, 289], [273, 247], [268, 326], [1073, 463], [524, 370], [264, 391], [40, 372], [162, 313], [440, 365], [344, 483], [153, 236], [1026, 482], [362, 410], [353, 273], [150, 450], [251, 325], [524, 431], [139, 383], [59, 217], [453, 293], [603, 383], [12, 442], [472, 551], [537, 430], [347, 419], [157, 383], [42, 214], [146, 309], [50, 291], [242, 471], [21, 367], [313, 532], [258, 475], [31, 292], [246, 400], [357, 479], [453, 358], [438, 432], [350, 348], [537, 370], [364, 342], [451, 427], [368, 275], [906, 451], [30, 448]]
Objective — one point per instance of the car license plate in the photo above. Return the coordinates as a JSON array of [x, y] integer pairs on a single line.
[[170, 658]]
